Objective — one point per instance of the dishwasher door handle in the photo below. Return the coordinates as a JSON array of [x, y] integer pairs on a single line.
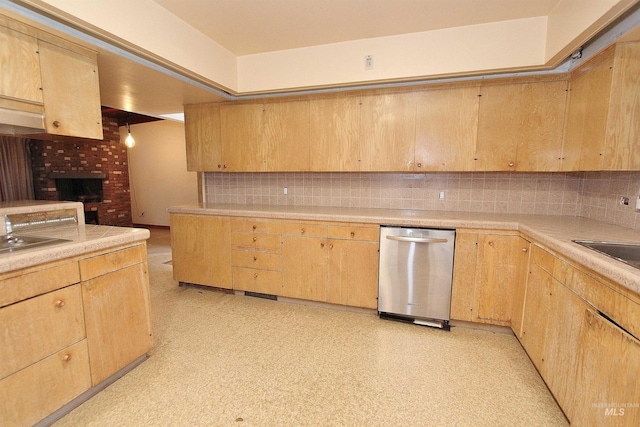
[[417, 239]]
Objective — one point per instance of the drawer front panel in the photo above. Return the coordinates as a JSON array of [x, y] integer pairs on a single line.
[[258, 260], [255, 226], [542, 258], [262, 281], [38, 327], [33, 393], [112, 261], [304, 229], [252, 241], [30, 283], [366, 233]]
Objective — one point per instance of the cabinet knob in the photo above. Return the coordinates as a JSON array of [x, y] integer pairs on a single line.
[[255, 239], [219, 166], [224, 166], [59, 303], [490, 242], [255, 258], [419, 164], [525, 250], [322, 245], [302, 231], [255, 275], [255, 226], [353, 234], [330, 245], [511, 164], [56, 124], [66, 357]]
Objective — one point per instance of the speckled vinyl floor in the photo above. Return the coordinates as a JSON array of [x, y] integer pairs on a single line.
[[226, 360]]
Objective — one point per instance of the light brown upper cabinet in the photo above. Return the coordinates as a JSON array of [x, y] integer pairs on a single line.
[[388, 126], [202, 135], [20, 78], [446, 129], [520, 126], [241, 127], [265, 137], [603, 118], [334, 135], [70, 90]]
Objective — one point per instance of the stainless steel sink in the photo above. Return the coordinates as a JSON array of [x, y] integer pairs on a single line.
[[628, 253], [13, 243]]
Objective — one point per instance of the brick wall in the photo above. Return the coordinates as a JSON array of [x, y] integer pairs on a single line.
[[108, 156]]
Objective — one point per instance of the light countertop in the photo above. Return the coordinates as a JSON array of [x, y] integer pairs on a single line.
[[553, 232]]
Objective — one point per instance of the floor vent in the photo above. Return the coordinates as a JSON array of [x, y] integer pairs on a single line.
[[259, 295]]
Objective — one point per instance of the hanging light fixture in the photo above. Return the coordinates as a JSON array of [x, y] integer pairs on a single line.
[[129, 141]]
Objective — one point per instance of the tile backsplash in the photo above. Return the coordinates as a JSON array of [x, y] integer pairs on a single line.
[[589, 194]]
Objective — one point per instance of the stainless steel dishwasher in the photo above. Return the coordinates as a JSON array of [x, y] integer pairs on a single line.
[[416, 274]]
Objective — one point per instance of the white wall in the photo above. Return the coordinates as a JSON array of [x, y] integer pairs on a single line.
[[158, 171]]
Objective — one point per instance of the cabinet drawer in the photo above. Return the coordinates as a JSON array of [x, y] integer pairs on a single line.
[[33, 393], [259, 260], [255, 226], [112, 261], [253, 241], [304, 229], [31, 282], [38, 327], [351, 232], [262, 281]]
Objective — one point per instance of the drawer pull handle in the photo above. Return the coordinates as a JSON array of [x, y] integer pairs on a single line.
[[59, 303], [330, 245], [255, 275], [255, 226], [419, 164], [255, 258], [302, 231], [353, 234], [255, 239], [66, 357], [56, 124], [490, 242], [511, 164], [525, 250], [322, 245]]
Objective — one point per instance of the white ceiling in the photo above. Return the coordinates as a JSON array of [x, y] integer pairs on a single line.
[[256, 26]]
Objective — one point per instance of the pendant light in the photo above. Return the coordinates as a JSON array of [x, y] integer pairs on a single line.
[[129, 141]]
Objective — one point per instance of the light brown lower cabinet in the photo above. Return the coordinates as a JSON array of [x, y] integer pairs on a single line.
[[201, 250], [304, 267], [60, 340], [489, 270], [352, 273]]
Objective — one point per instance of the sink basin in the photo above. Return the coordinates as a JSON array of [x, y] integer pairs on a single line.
[[626, 252], [15, 243]]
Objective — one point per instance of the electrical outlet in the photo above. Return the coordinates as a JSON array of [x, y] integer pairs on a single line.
[[441, 195], [368, 62], [286, 191]]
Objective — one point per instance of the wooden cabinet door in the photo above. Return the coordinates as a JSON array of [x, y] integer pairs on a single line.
[[353, 273], [202, 136], [334, 134], [622, 151], [241, 127], [387, 132], [118, 319], [20, 77], [587, 113], [535, 320], [446, 129], [286, 136], [607, 374], [520, 285], [464, 275], [201, 248], [520, 126], [500, 262], [562, 344], [71, 92], [304, 268]]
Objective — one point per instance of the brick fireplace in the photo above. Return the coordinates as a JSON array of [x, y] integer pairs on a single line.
[[83, 164]]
